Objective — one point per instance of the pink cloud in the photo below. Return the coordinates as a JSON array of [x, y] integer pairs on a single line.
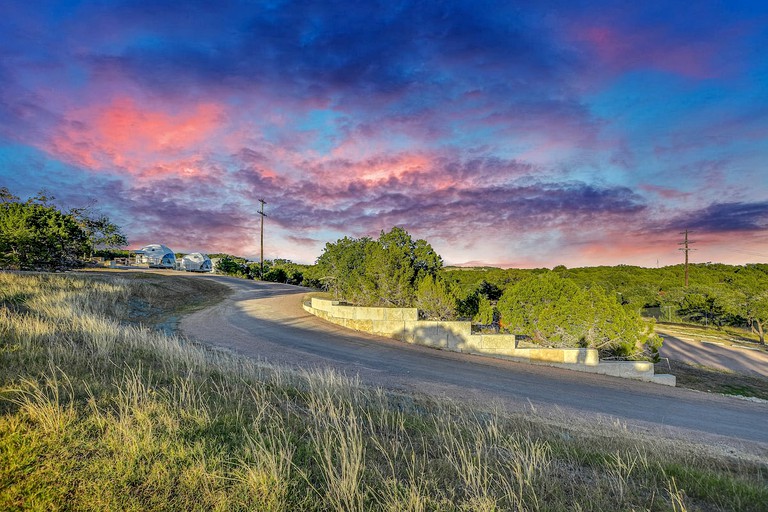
[[137, 139]]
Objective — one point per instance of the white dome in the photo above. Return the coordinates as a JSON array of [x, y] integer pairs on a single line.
[[158, 255], [196, 262]]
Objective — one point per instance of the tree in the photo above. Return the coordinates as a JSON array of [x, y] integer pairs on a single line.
[[556, 312], [102, 233], [232, 266], [39, 236], [276, 275], [751, 305], [757, 314], [35, 234], [435, 299], [382, 272], [487, 314], [490, 291], [342, 268]]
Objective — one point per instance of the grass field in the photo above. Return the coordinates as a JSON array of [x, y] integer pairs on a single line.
[[99, 412]]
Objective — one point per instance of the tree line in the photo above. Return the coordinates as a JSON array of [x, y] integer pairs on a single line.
[[718, 295], [278, 270], [551, 310], [37, 235]]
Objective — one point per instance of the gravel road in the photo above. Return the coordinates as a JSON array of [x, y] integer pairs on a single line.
[[266, 321]]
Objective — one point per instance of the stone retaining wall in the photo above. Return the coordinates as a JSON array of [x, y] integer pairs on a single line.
[[403, 324]]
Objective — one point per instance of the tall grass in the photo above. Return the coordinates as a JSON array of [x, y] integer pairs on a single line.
[[99, 414]]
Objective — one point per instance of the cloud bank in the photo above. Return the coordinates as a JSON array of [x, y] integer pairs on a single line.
[[527, 134]]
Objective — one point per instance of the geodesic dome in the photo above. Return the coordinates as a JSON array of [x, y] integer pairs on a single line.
[[196, 262], [158, 256]]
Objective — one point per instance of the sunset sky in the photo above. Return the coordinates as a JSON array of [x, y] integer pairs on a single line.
[[520, 134]]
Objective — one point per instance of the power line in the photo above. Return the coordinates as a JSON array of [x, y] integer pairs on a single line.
[[686, 249], [261, 212]]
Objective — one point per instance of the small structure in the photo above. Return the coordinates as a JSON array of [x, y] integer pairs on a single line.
[[196, 262], [156, 256]]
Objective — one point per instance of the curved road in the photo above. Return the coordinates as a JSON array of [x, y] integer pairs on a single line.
[[266, 321]]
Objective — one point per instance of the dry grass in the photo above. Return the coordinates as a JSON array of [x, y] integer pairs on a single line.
[[96, 414], [712, 380]]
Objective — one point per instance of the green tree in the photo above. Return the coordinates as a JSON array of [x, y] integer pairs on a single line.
[[341, 268], [384, 272], [276, 275], [757, 314], [487, 314], [556, 312], [434, 299], [750, 304], [36, 234], [102, 233], [39, 236], [232, 266]]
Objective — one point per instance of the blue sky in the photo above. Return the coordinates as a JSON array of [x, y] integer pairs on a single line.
[[525, 134]]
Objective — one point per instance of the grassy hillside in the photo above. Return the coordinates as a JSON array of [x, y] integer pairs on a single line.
[[99, 413]]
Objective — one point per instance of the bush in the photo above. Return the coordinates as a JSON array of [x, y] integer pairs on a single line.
[[556, 312]]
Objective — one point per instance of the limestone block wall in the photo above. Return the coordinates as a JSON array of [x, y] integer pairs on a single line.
[[403, 324]]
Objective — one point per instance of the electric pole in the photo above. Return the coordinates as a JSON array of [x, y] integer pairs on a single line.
[[261, 212], [685, 249]]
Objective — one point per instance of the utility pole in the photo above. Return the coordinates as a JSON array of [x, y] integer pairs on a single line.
[[261, 212], [685, 249]]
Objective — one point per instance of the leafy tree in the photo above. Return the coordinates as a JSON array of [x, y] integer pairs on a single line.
[[468, 306], [232, 266], [276, 275], [39, 236], [36, 234], [342, 268], [382, 272], [103, 233], [556, 312], [490, 291], [757, 314], [487, 314], [435, 299], [751, 305]]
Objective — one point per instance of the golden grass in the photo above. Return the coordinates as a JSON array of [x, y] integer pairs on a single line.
[[96, 414]]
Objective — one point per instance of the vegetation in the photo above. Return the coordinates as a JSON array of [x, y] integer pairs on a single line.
[[383, 272], [97, 414], [397, 271], [35, 234], [555, 311], [718, 295], [276, 271]]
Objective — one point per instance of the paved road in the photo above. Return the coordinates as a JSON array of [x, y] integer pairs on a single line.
[[266, 320], [712, 355]]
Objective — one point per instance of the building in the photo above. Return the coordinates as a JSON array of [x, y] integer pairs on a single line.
[[196, 262], [156, 256]]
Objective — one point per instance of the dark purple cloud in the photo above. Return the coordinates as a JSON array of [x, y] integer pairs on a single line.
[[726, 217]]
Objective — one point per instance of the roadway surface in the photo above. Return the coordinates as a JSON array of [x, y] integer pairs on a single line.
[[745, 360], [266, 321]]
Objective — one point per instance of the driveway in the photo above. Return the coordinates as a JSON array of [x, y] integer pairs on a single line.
[[713, 355]]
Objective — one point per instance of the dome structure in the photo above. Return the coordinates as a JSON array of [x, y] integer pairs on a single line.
[[196, 262], [157, 256]]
